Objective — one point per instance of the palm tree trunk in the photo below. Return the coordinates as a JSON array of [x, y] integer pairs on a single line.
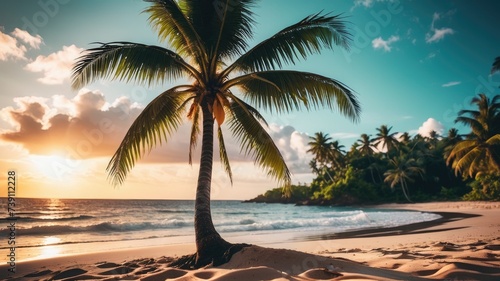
[[209, 244], [405, 190]]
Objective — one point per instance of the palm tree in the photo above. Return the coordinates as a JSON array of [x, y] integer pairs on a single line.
[[208, 44], [405, 138], [450, 141], [365, 145], [480, 151], [385, 138], [337, 153], [403, 170], [320, 147]]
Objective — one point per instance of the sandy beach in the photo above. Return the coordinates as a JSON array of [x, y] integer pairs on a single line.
[[463, 245]]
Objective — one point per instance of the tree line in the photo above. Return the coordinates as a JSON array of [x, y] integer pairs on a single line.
[[397, 167]]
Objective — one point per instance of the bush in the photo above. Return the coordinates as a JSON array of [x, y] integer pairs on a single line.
[[485, 187]]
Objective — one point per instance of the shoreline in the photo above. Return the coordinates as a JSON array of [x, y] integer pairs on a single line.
[[468, 234]]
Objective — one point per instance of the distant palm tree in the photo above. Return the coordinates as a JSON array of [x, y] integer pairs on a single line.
[[405, 138], [208, 44], [496, 65], [385, 138], [365, 145], [320, 147], [403, 170], [480, 151], [337, 153], [450, 141], [453, 136]]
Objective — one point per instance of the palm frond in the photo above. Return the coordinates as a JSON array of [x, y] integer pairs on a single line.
[[224, 26], [169, 20], [290, 90], [256, 142], [128, 61], [161, 117], [496, 65], [194, 115], [223, 154], [298, 41]]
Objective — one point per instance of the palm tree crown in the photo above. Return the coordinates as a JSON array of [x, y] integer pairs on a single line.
[[209, 44], [320, 146], [385, 138], [365, 145], [480, 151]]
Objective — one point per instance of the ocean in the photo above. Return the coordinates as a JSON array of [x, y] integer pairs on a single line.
[[55, 227]]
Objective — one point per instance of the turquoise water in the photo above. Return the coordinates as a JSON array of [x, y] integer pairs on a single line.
[[75, 225]]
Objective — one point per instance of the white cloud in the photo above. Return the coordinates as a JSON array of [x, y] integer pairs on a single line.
[[364, 3], [437, 34], [55, 67], [431, 125], [293, 146], [451, 84], [379, 43], [9, 48], [33, 41]]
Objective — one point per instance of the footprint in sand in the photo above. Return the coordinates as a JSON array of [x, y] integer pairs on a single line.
[[165, 275], [39, 273], [205, 275], [118, 270], [69, 273], [107, 265]]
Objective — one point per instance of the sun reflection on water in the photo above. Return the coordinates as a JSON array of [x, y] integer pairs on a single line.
[[49, 250], [49, 240]]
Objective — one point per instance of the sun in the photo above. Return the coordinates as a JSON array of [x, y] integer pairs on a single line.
[[54, 167]]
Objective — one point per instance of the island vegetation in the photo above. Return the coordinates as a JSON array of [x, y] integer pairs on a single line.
[[397, 167]]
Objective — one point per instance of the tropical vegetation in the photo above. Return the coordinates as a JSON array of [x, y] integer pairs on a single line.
[[207, 42], [397, 167]]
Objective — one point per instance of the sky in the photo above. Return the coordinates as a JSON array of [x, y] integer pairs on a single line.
[[413, 64]]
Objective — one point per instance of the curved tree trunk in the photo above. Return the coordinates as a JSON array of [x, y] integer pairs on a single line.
[[405, 190], [209, 243]]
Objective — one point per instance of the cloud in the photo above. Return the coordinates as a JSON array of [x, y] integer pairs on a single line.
[[55, 67], [364, 3], [33, 41], [379, 43], [9, 48], [293, 146], [451, 84], [437, 34], [87, 126], [92, 128], [431, 125], [344, 135]]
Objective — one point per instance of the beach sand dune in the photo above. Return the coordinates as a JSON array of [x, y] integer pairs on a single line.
[[467, 248]]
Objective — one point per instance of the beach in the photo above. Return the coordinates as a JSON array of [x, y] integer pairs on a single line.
[[464, 244]]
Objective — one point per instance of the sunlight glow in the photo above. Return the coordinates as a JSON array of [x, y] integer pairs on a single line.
[[52, 166], [51, 240]]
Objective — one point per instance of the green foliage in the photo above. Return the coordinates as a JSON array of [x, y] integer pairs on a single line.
[[485, 187], [297, 193]]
